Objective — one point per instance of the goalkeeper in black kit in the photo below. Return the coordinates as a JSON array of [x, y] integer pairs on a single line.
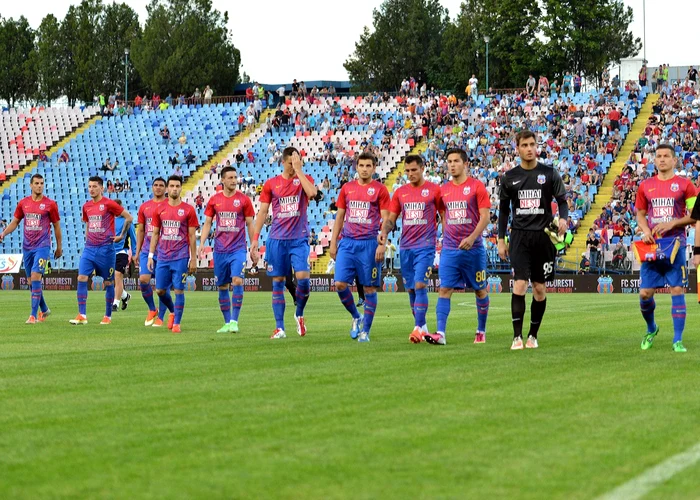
[[529, 190]]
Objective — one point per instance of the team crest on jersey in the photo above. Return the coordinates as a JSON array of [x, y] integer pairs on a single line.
[[42, 207], [466, 190], [541, 179], [425, 193], [675, 187], [236, 203], [296, 182], [370, 191], [102, 207], [180, 212]]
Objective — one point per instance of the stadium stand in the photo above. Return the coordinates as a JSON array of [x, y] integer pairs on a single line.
[[26, 133]]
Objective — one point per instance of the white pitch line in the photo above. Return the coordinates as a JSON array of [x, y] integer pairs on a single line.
[[651, 478]]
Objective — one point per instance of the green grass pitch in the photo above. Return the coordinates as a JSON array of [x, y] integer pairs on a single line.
[[125, 411]]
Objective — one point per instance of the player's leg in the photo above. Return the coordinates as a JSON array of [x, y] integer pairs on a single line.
[[520, 263], [237, 266], [345, 272], [299, 260], [360, 293], [541, 271], [422, 270], [120, 295], [291, 286], [371, 278], [31, 265], [105, 268], [147, 289], [408, 274], [164, 280], [651, 278], [222, 273], [85, 268], [677, 279], [451, 277], [118, 289], [179, 274], [278, 266], [475, 278]]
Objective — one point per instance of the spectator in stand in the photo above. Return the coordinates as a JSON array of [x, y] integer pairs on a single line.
[[110, 187], [138, 100], [169, 100], [208, 93], [389, 255], [593, 244], [239, 158], [577, 84], [165, 133], [118, 186], [474, 83], [64, 158], [174, 160], [543, 86], [196, 96], [199, 200], [107, 166], [190, 158], [585, 265], [530, 85], [313, 238], [643, 72], [177, 171], [43, 157], [126, 186], [183, 139]]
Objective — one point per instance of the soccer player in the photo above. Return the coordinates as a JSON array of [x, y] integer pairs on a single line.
[[234, 212], [662, 202], [362, 204], [144, 231], [122, 262], [465, 207], [288, 242], [174, 226], [98, 255], [418, 203], [530, 188], [39, 214]]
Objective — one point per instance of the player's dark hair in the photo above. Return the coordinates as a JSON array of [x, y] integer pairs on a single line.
[[524, 134], [667, 146], [226, 170], [457, 151], [368, 156], [175, 178], [35, 176], [97, 179], [289, 151], [414, 159], [118, 202], [159, 179]]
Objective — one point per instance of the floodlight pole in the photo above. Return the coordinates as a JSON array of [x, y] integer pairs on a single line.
[[126, 76], [487, 40]]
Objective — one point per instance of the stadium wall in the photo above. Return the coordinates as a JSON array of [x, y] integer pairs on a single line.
[[205, 281]]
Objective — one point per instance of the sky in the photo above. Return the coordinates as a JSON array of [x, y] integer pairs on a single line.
[[319, 37]]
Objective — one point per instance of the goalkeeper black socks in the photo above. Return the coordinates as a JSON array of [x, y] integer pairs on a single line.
[[536, 314], [517, 310]]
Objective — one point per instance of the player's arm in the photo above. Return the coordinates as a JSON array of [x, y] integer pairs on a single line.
[[206, 228], [503, 215], [257, 227], [140, 235], [132, 242], [155, 236], [337, 228], [10, 228], [559, 191], [128, 219], [484, 219], [387, 226], [381, 248], [192, 230], [59, 240], [644, 226], [308, 186]]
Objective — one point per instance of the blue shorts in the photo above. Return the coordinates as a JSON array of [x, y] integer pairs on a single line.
[[143, 264], [463, 268], [658, 274], [172, 274], [101, 260], [357, 259], [284, 255], [35, 260], [416, 265], [229, 265]]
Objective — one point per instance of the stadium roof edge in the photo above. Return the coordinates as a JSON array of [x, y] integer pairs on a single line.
[[338, 84]]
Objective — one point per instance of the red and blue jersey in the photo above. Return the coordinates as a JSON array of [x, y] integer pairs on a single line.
[[289, 205], [145, 218], [230, 213], [418, 207], [363, 205], [665, 200], [174, 223], [38, 217], [461, 204], [99, 216]]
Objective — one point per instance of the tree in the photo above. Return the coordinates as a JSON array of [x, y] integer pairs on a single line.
[[49, 60], [68, 75], [585, 37], [119, 28], [85, 51], [406, 41], [17, 59], [186, 44]]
